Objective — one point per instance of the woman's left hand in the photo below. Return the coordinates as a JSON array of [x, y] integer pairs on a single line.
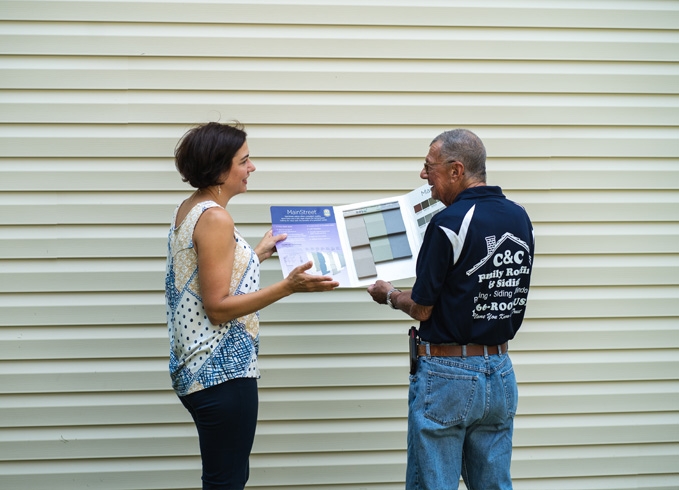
[[267, 246]]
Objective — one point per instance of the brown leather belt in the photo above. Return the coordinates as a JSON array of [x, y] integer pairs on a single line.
[[452, 350]]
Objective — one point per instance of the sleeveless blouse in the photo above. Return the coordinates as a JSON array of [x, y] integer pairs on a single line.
[[202, 354]]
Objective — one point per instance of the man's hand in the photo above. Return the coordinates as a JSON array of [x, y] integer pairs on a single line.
[[379, 291]]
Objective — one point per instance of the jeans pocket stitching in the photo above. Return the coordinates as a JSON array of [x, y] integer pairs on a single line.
[[434, 397]]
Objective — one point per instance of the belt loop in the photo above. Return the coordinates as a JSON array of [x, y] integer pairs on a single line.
[[499, 350], [485, 351], [464, 350], [428, 348]]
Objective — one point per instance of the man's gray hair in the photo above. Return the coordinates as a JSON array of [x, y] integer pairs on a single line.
[[464, 146]]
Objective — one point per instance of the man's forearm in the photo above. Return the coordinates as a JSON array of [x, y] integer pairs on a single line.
[[402, 301]]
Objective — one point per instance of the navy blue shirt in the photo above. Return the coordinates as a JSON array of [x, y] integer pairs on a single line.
[[474, 268]]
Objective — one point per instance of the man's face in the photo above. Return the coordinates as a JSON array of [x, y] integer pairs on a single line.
[[438, 174]]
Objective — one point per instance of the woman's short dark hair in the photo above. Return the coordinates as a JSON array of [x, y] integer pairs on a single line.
[[206, 152]]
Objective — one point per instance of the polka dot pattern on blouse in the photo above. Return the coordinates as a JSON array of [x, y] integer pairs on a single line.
[[203, 354]]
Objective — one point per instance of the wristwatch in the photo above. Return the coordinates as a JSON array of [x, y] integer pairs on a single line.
[[391, 291]]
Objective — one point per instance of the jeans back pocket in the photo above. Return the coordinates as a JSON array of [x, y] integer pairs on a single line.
[[449, 397]]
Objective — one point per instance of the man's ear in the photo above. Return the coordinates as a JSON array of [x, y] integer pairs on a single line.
[[456, 171]]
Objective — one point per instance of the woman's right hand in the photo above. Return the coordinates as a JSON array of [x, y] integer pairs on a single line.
[[301, 282]]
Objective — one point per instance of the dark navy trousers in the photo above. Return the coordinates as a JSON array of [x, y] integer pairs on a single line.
[[226, 418]]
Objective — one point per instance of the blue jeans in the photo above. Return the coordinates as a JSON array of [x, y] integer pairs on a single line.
[[460, 422]]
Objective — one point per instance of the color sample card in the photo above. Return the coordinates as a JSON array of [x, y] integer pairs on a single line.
[[376, 234], [425, 211], [357, 243], [312, 236]]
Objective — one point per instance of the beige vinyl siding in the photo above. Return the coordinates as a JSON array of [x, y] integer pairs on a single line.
[[578, 105]]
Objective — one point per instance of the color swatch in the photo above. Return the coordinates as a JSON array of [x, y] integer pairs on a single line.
[[376, 234]]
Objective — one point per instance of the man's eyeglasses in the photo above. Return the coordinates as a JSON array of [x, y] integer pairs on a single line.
[[428, 166]]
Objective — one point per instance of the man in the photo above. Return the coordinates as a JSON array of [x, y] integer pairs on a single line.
[[473, 275]]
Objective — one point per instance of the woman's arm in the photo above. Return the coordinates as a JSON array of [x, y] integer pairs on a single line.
[[215, 246]]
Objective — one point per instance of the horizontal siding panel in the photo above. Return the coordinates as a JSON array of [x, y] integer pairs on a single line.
[[329, 469], [544, 303], [182, 473], [151, 341], [574, 334], [560, 462], [141, 141], [162, 406], [338, 370], [605, 270], [629, 482], [151, 374], [180, 439], [321, 436], [578, 461], [149, 241], [553, 206], [96, 178], [598, 429], [84, 342], [71, 376], [378, 76], [311, 338], [350, 304], [320, 180], [100, 408], [322, 108], [540, 335], [530, 367], [60, 443], [64, 275], [498, 43], [342, 467], [613, 238], [603, 302], [105, 474], [86, 242], [90, 175], [487, 13], [128, 308], [326, 403], [585, 397], [604, 365], [329, 403], [536, 334]]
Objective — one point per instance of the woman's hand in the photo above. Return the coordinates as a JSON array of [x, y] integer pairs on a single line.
[[267, 246], [301, 282]]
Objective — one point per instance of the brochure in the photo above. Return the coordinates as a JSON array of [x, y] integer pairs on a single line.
[[356, 244]]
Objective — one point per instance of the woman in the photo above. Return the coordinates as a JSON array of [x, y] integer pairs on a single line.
[[213, 298]]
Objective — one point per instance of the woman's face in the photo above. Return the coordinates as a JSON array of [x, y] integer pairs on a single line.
[[236, 179]]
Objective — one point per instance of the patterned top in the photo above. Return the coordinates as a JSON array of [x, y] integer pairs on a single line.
[[201, 354]]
